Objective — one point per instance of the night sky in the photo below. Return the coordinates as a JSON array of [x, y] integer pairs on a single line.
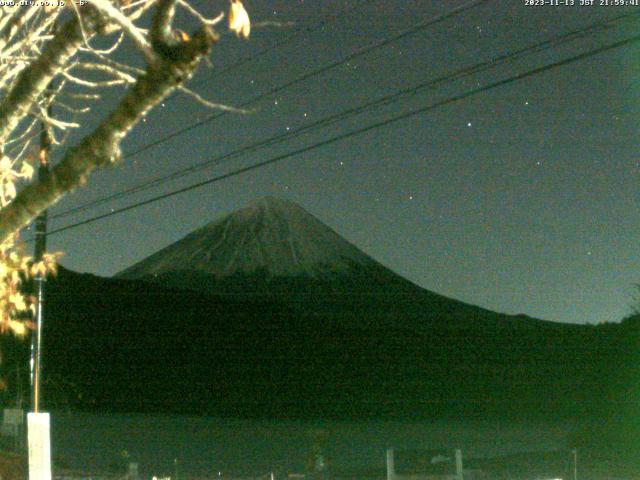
[[521, 199]]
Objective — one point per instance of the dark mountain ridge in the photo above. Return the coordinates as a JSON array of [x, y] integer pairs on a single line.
[[337, 337], [137, 347], [275, 250]]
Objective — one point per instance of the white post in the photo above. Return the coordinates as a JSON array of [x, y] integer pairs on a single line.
[[391, 469], [132, 473], [39, 441], [459, 469]]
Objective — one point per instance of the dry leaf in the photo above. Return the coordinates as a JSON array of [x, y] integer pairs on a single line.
[[17, 327], [39, 269], [5, 163], [239, 22], [181, 35], [26, 171]]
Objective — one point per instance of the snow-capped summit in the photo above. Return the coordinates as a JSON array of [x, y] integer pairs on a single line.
[[270, 235]]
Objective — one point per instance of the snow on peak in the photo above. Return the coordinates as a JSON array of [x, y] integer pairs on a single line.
[[270, 234]]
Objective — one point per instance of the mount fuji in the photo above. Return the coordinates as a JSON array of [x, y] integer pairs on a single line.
[[271, 235], [268, 312], [274, 248]]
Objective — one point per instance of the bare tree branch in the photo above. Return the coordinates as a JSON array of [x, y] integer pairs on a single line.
[[102, 146], [35, 50], [34, 79], [213, 105], [195, 13], [127, 26], [15, 20]]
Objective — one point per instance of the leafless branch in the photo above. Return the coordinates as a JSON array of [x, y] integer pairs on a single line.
[[33, 80], [195, 13], [209, 104], [91, 84], [102, 146], [127, 26]]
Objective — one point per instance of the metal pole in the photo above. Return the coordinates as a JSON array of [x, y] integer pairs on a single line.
[[40, 280]]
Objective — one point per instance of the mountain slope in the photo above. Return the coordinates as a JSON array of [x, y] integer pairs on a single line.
[[274, 249], [270, 235], [122, 345], [267, 312]]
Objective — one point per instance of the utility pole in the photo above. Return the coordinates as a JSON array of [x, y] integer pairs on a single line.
[[38, 423], [40, 279]]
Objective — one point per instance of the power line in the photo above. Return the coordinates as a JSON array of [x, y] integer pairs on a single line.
[[359, 131], [243, 61], [358, 53], [387, 99]]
